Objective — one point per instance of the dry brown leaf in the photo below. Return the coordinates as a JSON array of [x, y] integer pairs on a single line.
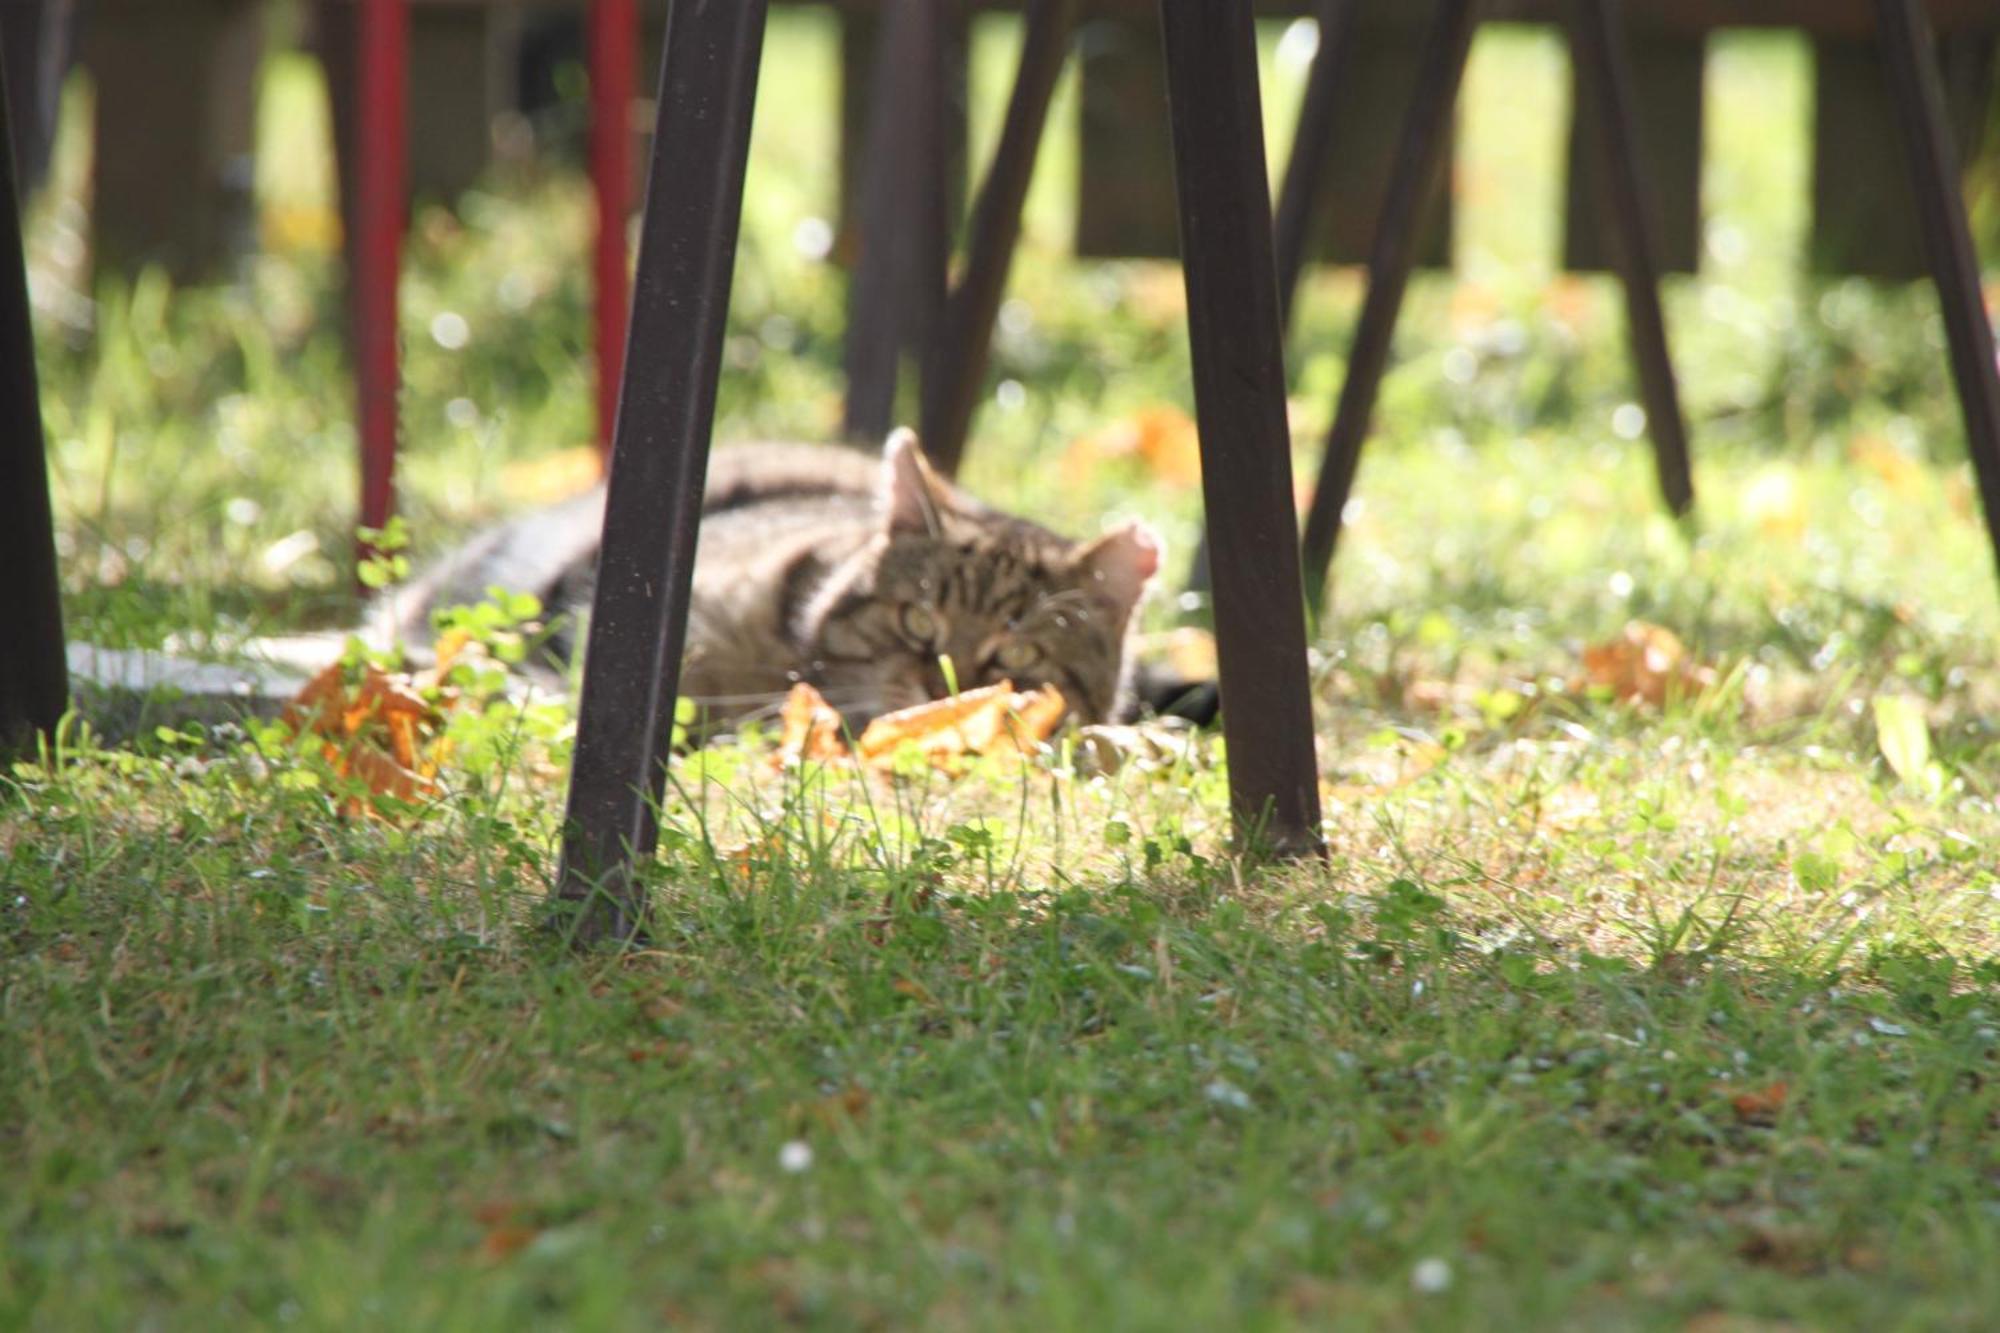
[[1761, 1105], [1878, 454], [1025, 722], [1164, 439], [504, 1242], [811, 728], [1645, 664], [741, 861], [381, 732], [1107, 748], [991, 720]]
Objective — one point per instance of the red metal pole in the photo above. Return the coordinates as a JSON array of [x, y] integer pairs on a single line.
[[614, 41], [381, 186]]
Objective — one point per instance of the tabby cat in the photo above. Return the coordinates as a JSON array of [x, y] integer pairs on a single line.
[[864, 578]]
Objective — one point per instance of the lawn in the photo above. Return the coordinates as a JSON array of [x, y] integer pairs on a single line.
[[1615, 1004]]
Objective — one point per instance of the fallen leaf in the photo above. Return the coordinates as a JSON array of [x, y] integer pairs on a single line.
[[1107, 748], [504, 1242], [1878, 454], [811, 728], [741, 861], [381, 732], [1164, 439], [992, 720], [1760, 1106], [1645, 664], [1905, 739]]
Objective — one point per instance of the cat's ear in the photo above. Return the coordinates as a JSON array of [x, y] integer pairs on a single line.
[[1121, 563], [910, 490]]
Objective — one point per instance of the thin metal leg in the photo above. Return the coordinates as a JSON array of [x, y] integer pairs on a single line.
[[1419, 157], [899, 275], [957, 366], [614, 61], [659, 461], [1239, 391], [1605, 79], [381, 187], [1918, 94], [1298, 195], [1305, 169], [38, 37], [34, 677]]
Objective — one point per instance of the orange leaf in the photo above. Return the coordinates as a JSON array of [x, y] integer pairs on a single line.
[[320, 703], [1645, 664], [1879, 455], [990, 720], [504, 1242], [1760, 1105], [449, 645], [811, 727], [383, 733], [1164, 439]]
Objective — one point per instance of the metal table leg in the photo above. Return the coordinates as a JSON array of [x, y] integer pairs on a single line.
[[1298, 195], [1419, 157], [659, 461], [381, 190], [957, 367], [614, 63], [899, 277], [34, 677], [1239, 384], [1606, 81], [1305, 168], [1914, 84]]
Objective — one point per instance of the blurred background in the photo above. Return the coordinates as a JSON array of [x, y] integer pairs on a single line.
[[191, 317]]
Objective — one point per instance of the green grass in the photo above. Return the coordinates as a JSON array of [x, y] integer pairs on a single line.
[[1597, 1015]]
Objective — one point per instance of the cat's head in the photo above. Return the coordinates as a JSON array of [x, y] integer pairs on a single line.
[[1001, 597]]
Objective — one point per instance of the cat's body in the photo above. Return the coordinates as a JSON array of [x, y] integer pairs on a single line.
[[857, 575]]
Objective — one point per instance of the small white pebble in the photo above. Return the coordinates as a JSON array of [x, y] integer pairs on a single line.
[[1430, 1276], [1224, 1093], [796, 1156]]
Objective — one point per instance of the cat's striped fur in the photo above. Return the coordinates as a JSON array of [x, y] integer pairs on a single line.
[[859, 576]]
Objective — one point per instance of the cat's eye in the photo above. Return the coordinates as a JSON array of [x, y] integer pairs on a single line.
[[1017, 655], [919, 624]]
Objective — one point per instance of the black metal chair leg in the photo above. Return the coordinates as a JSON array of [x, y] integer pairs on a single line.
[[1915, 87], [1298, 195], [899, 275], [34, 675], [1305, 168], [659, 461], [1419, 156], [957, 366], [1606, 81], [1239, 391]]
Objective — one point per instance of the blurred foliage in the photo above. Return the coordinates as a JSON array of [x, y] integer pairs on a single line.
[[204, 449]]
